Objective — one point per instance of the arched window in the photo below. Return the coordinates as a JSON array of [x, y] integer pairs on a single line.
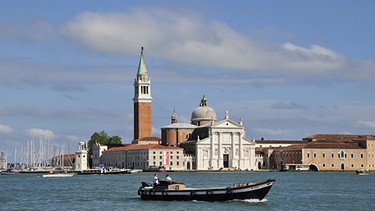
[[342, 154]]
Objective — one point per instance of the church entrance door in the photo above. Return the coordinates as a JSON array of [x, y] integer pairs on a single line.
[[226, 160]]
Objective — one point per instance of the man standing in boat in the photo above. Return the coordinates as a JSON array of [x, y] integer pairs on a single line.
[[168, 178], [156, 180]]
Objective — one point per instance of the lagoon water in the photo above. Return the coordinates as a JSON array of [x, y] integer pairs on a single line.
[[292, 191]]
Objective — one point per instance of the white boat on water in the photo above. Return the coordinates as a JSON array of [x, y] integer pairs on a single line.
[[133, 171], [10, 172], [58, 174], [361, 171], [103, 170]]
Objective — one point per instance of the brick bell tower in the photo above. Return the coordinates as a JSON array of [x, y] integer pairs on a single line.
[[142, 102]]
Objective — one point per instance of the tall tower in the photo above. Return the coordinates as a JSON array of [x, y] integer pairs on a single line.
[[142, 102], [3, 161], [81, 157]]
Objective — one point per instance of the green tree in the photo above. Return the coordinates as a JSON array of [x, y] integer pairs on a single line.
[[101, 138], [115, 140]]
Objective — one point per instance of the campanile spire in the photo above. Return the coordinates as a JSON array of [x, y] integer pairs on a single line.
[[142, 101]]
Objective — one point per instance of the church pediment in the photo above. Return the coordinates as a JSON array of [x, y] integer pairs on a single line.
[[227, 123]]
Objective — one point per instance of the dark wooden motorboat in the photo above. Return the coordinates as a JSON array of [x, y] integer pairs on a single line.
[[175, 190]]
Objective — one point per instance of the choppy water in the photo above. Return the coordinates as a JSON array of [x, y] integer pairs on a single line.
[[292, 191]]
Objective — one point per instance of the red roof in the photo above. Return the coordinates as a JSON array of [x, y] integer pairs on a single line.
[[338, 137], [141, 147], [333, 145]]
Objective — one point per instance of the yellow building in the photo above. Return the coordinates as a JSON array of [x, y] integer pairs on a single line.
[[329, 152]]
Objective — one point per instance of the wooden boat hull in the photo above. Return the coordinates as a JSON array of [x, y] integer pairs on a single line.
[[248, 191]]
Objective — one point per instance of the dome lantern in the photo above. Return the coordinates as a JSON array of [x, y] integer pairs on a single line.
[[203, 114]]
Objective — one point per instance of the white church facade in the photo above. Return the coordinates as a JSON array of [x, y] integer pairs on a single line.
[[225, 147], [215, 145]]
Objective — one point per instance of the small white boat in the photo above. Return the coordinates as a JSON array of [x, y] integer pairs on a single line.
[[133, 171], [361, 171], [58, 174], [104, 171], [10, 172]]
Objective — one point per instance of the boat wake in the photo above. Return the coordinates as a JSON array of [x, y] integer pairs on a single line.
[[251, 200], [241, 200]]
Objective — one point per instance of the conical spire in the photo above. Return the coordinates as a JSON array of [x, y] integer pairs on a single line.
[[142, 70], [174, 118]]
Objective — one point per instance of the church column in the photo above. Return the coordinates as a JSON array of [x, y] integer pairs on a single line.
[[212, 151], [220, 152], [233, 163], [240, 153]]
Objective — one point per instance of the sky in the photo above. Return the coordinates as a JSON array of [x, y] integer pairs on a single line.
[[289, 69]]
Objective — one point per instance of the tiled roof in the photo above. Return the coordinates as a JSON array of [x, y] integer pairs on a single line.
[[296, 146], [149, 139], [141, 147], [338, 137], [333, 145], [324, 145], [280, 141], [150, 146]]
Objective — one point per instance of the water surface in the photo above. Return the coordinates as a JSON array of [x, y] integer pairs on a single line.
[[292, 191]]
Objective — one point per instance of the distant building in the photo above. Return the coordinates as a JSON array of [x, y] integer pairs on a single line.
[[329, 152], [146, 157], [265, 151]]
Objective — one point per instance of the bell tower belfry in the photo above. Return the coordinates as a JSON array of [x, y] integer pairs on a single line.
[[142, 102]]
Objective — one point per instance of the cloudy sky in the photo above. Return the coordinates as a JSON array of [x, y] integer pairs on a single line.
[[290, 69]]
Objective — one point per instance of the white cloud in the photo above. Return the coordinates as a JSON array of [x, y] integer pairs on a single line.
[[40, 133], [5, 129], [184, 39], [367, 124], [191, 39]]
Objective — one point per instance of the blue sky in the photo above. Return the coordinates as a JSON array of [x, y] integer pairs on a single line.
[[290, 69]]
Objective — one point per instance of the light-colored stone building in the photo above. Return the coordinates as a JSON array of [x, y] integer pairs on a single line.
[[330, 152], [146, 157], [97, 151]]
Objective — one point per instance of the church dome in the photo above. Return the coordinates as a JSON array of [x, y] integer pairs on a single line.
[[203, 114]]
